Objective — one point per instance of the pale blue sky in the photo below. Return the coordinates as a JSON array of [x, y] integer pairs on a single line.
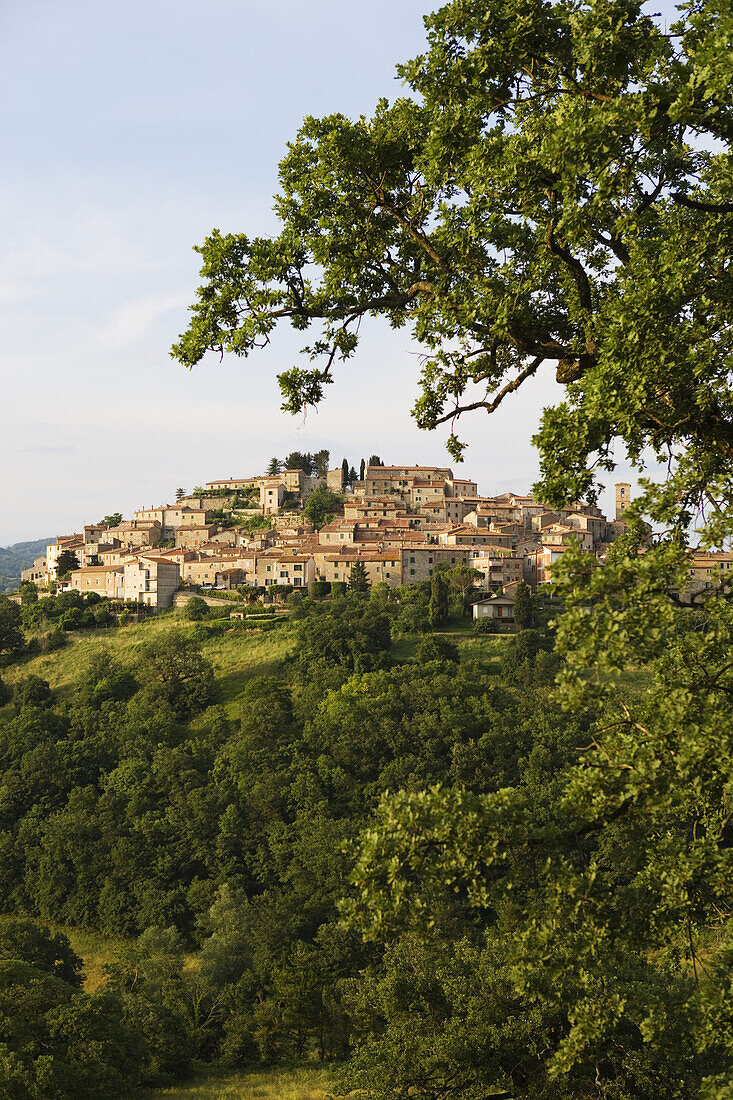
[[129, 131]]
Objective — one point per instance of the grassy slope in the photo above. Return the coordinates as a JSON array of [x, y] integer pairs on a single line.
[[236, 656], [299, 1083]]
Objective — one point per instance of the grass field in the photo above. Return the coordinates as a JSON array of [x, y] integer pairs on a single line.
[[236, 656], [299, 1083]]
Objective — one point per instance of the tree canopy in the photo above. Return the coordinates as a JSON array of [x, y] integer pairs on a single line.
[[557, 190]]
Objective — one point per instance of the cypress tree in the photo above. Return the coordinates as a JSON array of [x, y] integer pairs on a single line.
[[358, 579], [523, 606], [438, 606]]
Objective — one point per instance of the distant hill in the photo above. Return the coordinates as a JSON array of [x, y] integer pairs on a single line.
[[17, 557]]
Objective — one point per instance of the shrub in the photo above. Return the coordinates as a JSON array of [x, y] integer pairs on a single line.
[[55, 639], [196, 609], [436, 649], [486, 625], [32, 692]]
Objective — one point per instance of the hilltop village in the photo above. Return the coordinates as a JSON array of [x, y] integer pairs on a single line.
[[399, 521]]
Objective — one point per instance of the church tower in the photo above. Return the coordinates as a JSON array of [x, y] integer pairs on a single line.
[[623, 498]]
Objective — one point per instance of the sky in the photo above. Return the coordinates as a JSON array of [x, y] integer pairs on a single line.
[[130, 130]]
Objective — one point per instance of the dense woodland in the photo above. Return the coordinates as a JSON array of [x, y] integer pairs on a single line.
[[133, 802], [252, 831]]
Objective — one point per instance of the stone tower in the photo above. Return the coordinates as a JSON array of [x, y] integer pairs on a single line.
[[623, 498]]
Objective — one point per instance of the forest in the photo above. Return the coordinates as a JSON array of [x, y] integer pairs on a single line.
[[349, 838]]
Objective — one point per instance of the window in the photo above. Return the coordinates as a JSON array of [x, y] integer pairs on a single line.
[[412, 572]]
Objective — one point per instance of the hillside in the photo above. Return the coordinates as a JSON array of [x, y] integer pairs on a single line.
[[178, 799], [17, 557]]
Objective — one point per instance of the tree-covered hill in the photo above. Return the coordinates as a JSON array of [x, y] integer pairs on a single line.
[[15, 558]]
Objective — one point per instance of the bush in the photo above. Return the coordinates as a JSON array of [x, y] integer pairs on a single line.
[[55, 639], [281, 591], [196, 609], [486, 625], [319, 589], [72, 619], [32, 692], [338, 588], [102, 615], [436, 649]]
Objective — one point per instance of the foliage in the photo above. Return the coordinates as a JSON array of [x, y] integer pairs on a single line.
[[617, 224], [173, 671], [438, 605], [256, 523], [228, 829], [66, 561], [196, 609], [311, 464], [523, 609], [70, 610], [349, 634], [115, 519], [462, 578], [57, 1042], [49, 952], [434, 648], [321, 506], [359, 582], [320, 462], [11, 635], [28, 593]]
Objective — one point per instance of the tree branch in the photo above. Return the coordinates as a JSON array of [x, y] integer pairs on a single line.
[[510, 387], [707, 207]]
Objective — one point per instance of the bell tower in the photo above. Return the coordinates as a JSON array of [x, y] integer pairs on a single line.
[[623, 498]]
